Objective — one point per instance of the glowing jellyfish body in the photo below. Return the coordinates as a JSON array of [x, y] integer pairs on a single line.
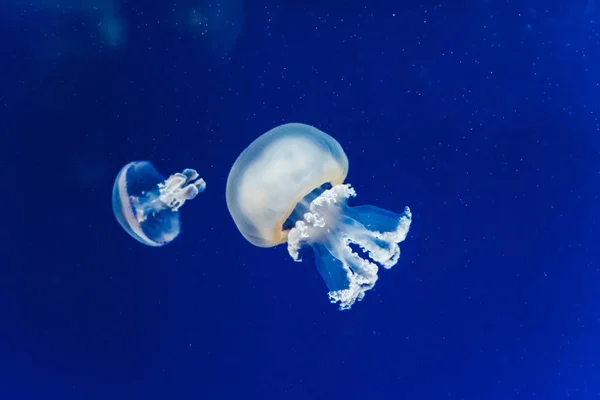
[[288, 186], [147, 205]]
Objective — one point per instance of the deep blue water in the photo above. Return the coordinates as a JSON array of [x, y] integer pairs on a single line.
[[482, 116]]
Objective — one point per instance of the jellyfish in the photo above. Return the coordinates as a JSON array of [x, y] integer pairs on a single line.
[[147, 205], [288, 186]]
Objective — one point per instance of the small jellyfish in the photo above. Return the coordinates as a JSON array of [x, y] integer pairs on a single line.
[[288, 186], [146, 204]]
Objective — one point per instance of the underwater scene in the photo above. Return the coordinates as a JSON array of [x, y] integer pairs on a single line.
[[300, 200]]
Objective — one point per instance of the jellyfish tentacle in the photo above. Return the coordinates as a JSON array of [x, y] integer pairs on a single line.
[[180, 187], [332, 228], [191, 175]]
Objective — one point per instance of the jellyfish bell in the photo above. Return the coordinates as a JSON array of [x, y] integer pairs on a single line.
[[147, 205], [288, 186], [274, 173]]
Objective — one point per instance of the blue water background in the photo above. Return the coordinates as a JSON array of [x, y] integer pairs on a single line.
[[482, 116]]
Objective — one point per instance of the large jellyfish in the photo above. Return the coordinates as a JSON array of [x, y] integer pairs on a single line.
[[288, 185], [147, 205]]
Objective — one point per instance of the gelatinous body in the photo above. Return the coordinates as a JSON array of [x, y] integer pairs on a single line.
[[147, 205], [288, 185]]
